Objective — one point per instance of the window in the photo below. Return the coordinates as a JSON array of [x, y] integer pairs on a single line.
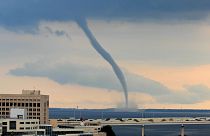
[[38, 104], [4, 123], [21, 128], [27, 127], [12, 125], [7, 104], [11, 104], [34, 104], [21, 122], [27, 122]]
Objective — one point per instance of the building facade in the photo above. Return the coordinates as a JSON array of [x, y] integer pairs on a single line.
[[36, 105], [19, 126]]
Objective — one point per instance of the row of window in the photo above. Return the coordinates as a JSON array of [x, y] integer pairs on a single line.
[[30, 114], [19, 99], [4, 113], [28, 128], [29, 122], [30, 109], [34, 114], [34, 118], [5, 123], [20, 104], [30, 117], [4, 116], [34, 109]]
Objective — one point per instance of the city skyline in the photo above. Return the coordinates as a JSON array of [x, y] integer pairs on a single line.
[[163, 52]]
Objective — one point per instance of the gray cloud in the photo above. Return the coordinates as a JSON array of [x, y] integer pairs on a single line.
[[14, 13], [199, 92], [57, 32], [89, 76], [192, 94], [100, 77]]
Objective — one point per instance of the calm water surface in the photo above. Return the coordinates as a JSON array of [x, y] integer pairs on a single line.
[[162, 130]]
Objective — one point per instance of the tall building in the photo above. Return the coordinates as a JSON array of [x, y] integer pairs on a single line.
[[36, 105]]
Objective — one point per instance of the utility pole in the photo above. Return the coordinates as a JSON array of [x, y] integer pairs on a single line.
[[142, 130], [182, 130]]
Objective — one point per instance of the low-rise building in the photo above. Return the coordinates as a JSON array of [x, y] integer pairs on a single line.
[[19, 126]]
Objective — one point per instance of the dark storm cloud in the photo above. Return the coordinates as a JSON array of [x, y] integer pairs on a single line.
[[19, 13]]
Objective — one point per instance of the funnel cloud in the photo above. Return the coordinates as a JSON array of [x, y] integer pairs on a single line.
[[96, 45]]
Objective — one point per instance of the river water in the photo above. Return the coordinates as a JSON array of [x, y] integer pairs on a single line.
[[162, 130]]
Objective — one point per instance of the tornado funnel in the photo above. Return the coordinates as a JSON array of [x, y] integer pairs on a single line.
[[96, 45]]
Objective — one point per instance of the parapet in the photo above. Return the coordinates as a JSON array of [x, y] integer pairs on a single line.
[[31, 92]]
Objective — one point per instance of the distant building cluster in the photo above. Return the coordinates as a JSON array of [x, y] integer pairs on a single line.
[[27, 114]]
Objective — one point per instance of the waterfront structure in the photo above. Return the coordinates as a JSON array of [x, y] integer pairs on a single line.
[[36, 105], [64, 122]]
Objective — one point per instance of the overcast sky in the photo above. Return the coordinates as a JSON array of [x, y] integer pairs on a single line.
[[162, 47]]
